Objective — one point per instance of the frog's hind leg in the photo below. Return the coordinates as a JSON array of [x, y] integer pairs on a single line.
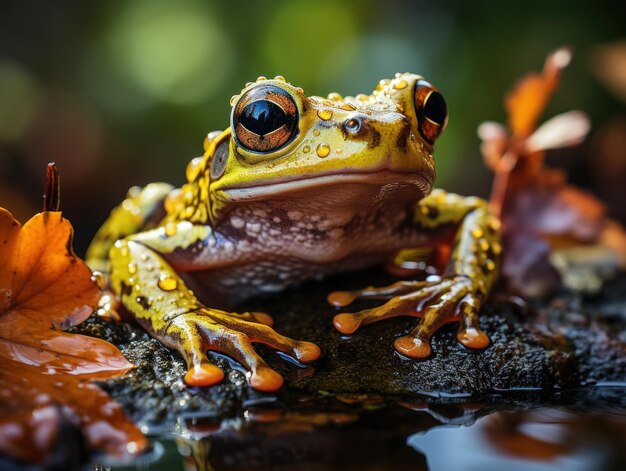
[[142, 209]]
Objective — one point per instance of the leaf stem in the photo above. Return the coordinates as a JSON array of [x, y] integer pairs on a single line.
[[52, 189]]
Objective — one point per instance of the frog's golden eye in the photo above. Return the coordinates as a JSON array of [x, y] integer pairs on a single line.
[[265, 119], [431, 111]]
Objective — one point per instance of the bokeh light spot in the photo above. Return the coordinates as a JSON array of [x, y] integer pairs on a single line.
[[174, 52], [302, 34], [20, 98]]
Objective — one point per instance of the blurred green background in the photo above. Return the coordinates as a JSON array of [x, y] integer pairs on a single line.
[[121, 93]]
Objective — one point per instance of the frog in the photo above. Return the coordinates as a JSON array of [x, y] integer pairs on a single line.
[[298, 188]]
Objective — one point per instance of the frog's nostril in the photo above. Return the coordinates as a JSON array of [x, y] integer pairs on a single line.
[[353, 125]]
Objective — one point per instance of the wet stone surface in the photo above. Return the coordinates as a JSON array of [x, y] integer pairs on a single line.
[[554, 345]]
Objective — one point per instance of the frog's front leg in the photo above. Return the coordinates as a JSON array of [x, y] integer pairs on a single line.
[[456, 297], [161, 302]]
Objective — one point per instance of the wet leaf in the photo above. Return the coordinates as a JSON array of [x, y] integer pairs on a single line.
[[540, 211], [45, 373]]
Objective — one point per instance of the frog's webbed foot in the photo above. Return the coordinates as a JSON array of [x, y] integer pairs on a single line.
[[449, 299], [193, 333]]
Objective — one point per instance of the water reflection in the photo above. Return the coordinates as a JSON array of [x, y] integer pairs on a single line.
[[360, 432]]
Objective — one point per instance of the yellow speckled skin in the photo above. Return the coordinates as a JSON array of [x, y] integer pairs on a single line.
[[334, 184]]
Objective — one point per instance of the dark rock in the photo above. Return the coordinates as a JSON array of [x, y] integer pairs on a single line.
[[553, 345]]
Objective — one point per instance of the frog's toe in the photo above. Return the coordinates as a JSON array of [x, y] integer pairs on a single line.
[[409, 304], [108, 306], [345, 298], [259, 332], [469, 332], [187, 336], [256, 316], [435, 303], [233, 335], [203, 374]]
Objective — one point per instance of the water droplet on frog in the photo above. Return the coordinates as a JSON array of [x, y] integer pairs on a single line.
[[280, 78], [99, 279], [338, 151], [400, 84], [260, 78], [477, 232], [167, 283], [362, 97], [306, 149], [170, 229], [316, 132], [323, 150], [132, 268], [495, 224], [334, 96], [325, 114], [233, 100], [348, 107]]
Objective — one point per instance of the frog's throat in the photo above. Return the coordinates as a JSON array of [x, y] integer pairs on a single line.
[[423, 184]]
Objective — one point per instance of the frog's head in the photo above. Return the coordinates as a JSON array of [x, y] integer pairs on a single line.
[[282, 144]]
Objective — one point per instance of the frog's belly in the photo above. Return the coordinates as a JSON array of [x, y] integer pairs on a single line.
[[225, 287]]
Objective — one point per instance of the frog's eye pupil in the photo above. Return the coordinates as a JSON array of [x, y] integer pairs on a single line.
[[431, 111], [265, 119], [262, 117], [435, 108]]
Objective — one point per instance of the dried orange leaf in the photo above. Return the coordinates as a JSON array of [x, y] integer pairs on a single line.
[[529, 98], [45, 373], [42, 283]]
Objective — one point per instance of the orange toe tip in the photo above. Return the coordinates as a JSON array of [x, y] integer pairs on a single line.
[[204, 375], [264, 318], [340, 298], [346, 323], [413, 347], [473, 338], [266, 380], [307, 352]]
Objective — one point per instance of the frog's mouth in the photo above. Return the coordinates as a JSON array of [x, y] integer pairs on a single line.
[[379, 178]]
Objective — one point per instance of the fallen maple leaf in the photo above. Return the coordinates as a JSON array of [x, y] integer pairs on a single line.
[[45, 373], [540, 211]]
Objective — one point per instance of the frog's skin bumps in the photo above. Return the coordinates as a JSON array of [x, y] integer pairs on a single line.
[[299, 187]]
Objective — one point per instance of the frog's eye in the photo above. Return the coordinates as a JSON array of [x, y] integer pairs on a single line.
[[220, 159], [431, 110], [265, 119]]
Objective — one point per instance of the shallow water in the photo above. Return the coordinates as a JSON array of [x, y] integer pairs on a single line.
[[583, 429]]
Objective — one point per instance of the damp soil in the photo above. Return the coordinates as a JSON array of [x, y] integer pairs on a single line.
[[564, 342]]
